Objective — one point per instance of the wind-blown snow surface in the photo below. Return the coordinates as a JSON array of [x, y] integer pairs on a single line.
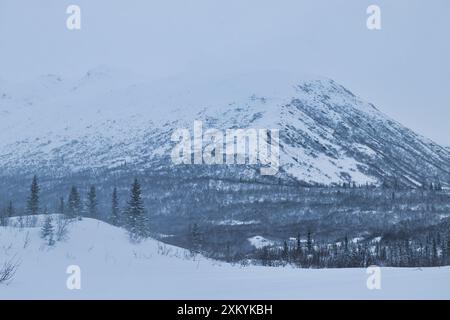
[[109, 118], [113, 268]]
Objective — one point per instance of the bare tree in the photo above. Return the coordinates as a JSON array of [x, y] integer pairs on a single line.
[[26, 241], [62, 224], [8, 270]]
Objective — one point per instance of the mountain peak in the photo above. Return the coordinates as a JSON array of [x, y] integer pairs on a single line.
[[328, 134]]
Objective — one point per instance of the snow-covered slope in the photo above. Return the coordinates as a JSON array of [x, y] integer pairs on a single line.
[[112, 268], [109, 118]]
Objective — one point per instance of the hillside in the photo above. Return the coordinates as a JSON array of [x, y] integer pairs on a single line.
[[112, 267]]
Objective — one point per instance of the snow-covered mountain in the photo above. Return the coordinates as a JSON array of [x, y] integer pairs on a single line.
[[107, 119]]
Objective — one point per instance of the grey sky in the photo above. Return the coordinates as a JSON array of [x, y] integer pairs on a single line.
[[404, 68]]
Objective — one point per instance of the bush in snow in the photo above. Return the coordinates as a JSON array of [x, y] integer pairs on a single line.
[[62, 224], [8, 270]]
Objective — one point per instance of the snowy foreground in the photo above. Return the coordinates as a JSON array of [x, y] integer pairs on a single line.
[[114, 268]]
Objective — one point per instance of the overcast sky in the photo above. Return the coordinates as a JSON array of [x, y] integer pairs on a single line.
[[404, 68]]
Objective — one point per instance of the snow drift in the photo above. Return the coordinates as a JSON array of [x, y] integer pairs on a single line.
[[113, 268]]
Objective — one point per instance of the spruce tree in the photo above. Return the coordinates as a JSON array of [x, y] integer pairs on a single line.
[[92, 202], [309, 244], [434, 257], [33, 200], [74, 203], [10, 211], [61, 207], [346, 244], [299, 244], [285, 251], [448, 250], [196, 239], [47, 230], [136, 212], [115, 211]]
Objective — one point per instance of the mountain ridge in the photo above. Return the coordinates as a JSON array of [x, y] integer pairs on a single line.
[[105, 119]]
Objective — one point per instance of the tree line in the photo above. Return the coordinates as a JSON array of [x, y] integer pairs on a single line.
[[432, 251], [133, 216]]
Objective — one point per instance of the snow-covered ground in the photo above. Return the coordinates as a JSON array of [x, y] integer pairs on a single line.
[[114, 268]]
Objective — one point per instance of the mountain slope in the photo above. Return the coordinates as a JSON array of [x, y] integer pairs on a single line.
[[108, 119]]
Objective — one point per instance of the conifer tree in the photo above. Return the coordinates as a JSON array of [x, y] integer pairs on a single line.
[[299, 244], [346, 244], [448, 250], [136, 212], [196, 239], [61, 207], [309, 242], [92, 202], [115, 211], [434, 253], [33, 199], [47, 230], [285, 251], [74, 203], [10, 211]]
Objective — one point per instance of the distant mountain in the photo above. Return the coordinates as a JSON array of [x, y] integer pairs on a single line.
[[55, 126]]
